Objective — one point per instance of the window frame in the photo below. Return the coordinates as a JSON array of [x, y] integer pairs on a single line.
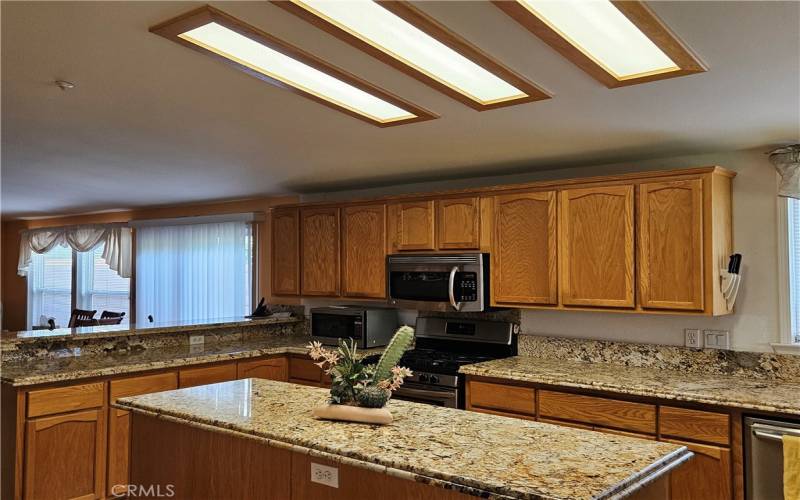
[[787, 342]]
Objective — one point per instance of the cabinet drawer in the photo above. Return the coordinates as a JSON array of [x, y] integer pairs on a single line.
[[61, 399], [695, 425], [305, 370], [191, 377], [566, 424], [624, 415], [271, 369], [133, 386], [502, 397]]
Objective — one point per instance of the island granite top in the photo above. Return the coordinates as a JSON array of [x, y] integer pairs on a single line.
[[471, 452], [8, 340], [723, 390]]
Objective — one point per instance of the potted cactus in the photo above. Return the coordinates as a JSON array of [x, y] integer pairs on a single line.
[[359, 391]]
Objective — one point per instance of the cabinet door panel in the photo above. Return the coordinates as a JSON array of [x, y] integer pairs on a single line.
[[364, 251], [524, 258], [458, 224], [191, 377], [596, 246], [412, 226], [671, 245], [319, 242], [270, 369], [65, 456], [119, 449], [286, 251], [707, 475]]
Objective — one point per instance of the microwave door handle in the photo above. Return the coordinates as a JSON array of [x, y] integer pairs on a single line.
[[452, 289]]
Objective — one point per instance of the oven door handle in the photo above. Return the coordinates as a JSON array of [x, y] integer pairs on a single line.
[[423, 392], [452, 289]]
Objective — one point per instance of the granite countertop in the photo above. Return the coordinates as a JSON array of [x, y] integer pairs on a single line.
[[722, 390], [48, 370], [9, 340], [476, 453]]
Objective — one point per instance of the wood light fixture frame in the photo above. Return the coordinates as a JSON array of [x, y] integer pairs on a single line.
[[441, 33], [640, 15], [172, 28]]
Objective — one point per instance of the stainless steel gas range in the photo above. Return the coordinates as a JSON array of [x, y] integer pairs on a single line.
[[443, 345]]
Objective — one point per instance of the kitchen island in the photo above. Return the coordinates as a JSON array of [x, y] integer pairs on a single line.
[[256, 438]]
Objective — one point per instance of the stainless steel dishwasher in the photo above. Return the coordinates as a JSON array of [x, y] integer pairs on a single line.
[[763, 456]]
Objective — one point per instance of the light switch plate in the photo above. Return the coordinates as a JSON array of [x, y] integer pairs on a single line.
[[693, 338], [196, 340], [323, 474], [717, 339]]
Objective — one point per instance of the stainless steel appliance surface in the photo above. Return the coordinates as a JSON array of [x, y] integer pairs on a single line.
[[368, 326], [442, 345], [763, 456], [439, 282]]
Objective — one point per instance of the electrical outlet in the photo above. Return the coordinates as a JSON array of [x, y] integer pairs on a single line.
[[717, 339], [196, 340], [322, 474], [692, 338]]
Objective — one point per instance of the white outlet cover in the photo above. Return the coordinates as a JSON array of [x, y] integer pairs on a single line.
[[693, 338], [196, 340], [323, 474]]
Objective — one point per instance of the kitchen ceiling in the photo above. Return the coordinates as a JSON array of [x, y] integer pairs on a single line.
[[150, 122]]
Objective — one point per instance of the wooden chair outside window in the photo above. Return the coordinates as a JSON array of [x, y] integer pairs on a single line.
[[82, 317]]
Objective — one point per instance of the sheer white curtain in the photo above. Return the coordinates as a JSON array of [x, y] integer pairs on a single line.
[[194, 272]]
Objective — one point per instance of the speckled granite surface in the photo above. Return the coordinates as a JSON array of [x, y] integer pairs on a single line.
[[9, 340], [47, 370], [724, 390], [759, 365], [473, 452]]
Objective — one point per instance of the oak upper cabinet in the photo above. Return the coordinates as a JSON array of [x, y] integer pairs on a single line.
[[286, 251], [671, 245], [524, 268], [707, 475], [65, 455], [319, 240], [411, 226], [364, 251], [458, 223], [596, 246]]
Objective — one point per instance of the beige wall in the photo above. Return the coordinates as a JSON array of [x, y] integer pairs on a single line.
[[754, 324]]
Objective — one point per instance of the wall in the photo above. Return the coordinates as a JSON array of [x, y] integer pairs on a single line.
[[14, 287], [755, 322]]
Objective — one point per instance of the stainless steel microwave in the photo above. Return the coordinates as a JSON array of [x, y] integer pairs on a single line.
[[368, 326], [440, 282]]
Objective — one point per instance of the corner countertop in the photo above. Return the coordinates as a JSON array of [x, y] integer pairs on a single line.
[[722, 390], [9, 340], [49, 370], [475, 453]]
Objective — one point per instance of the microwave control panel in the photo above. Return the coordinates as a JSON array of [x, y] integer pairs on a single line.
[[467, 286]]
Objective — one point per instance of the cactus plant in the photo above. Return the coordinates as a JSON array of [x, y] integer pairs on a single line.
[[394, 351], [373, 396]]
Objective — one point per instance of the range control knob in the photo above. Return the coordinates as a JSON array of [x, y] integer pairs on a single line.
[[423, 377], [433, 379]]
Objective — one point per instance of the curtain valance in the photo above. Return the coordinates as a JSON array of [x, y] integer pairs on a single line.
[[787, 163], [117, 252]]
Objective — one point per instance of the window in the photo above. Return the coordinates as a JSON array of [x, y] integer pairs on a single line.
[[52, 291], [194, 272], [99, 288], [50, 287], [793, 222]]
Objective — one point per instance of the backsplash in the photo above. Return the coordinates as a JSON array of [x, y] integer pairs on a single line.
[[712, 361]]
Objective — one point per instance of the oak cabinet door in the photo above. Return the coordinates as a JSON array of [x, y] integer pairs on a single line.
[[191, 377], [65, 456], [458, 224], [319, 243], [671, 245], [525, 249], [596, 246], [707, 475], [411, 226], [364, 251], [270, 369], [286, 251]]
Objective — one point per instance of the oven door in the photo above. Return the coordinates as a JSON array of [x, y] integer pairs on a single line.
[[437, 396], [438, 282]]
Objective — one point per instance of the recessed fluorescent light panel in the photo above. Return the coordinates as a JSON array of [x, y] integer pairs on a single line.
[[408, 39], [271, 60], [619, 43]]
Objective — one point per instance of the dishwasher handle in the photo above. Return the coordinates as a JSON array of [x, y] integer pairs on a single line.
[[773, 432]]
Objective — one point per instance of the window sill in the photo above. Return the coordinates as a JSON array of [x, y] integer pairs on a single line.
[[786, 348]]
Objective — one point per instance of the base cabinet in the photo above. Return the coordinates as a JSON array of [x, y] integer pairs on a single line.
[[706, 476], [65, 456]]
